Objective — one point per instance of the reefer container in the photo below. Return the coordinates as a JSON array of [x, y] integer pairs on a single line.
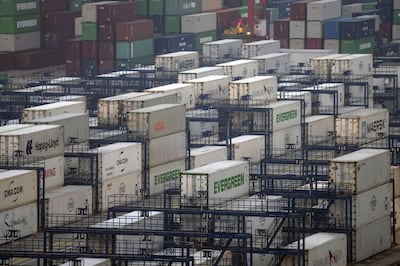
[[185, 93], [125, 184], [76, 126], [320, 249], [273, 62], [158, 120], [174, 43], [52, 109], [303, 95], [356, 64], [303, 56], [258, 88], [68, 200], [127, 244], [242, 68], [206, 155], [178, 61], [40, 140], [360, 170], [210, 87], [166, 149], [202, 123], [24, 219], [366, 207], [199, 73], [328, 96], [20, 41], [89, 262], [325, 9], [285, 140], [219, 180], [199, 22], [322, 65], [257, 48], [18, 187], [226, 48], [362, 126], [149, 100], [165, 176], [110, 109], [53, 171], [247, 147], [318, 128], [12, 127]]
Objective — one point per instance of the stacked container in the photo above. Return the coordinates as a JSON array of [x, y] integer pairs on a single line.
[[357, 35], [254, 90], [163, 129], [174, 43], [212, 87], [297, 24], [365, 174]]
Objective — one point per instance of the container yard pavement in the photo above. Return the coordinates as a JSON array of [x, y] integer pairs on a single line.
[[390, 257]]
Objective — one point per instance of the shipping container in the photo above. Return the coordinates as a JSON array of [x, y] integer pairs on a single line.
[[226, 48], [89, 10], [173, 143], [185, 93], [199, 73], [314, 29], [284, 141], [181, 7], [105, 31], [258, 88], [78, 24], [362, 126], [318, 128], [211, 5], [298, 10], [297, 29], [135, 49], [208, 125], [199, 22], [163, 177], [366, 207], [206, 155], [23, 219], [300, 57], [328, 96], [116, 12], [19, 24], [20, 41], [210, 87], [178, 61], [273, 63], [357, 28], [332, 44], [52, 109], [7, 60], [72, 201], [214, 183], [297, 43], [320, 249], [157, 121], [303, 95], [52, 5], [37, 58], [356, 64], [12, 127], [122, 184], [40, 140], [60, 20], [203, 37], [242, 68], [135, 30], [322, 65], [174, 43], [349, 9], [89, 262], [19, 7], [19, 187], [359, 46], [257, 48], [148, 100], [281, 29], [247, 148], [360, 171], [324, 9]]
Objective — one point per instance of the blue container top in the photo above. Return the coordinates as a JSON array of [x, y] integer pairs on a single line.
[[356, 28], [283, 7], [332, 28]]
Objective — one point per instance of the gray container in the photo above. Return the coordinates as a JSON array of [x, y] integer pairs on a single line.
[[20, 41], [199, 22]]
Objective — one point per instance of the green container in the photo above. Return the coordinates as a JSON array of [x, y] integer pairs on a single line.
[[89, 31], [360, 46], [203, 37], [156, 7], [172, 24], [19, 7], [128, 50], [142, 7], [19, 24], [182, 7], [242, 11], [396, 17], [368, 6], [134, 62], [273, 14]]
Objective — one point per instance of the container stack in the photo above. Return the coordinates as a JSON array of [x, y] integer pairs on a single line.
[[163, 130], [297, 24], [365, 174], [395, 179]]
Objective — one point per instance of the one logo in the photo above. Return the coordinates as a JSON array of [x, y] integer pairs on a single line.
[[70, 204], [29, 147]]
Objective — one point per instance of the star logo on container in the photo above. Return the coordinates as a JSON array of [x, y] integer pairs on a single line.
[[29, 147], [220, 89], [332, 257]]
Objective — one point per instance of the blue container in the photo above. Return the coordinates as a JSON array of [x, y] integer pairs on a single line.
[[174, 43], [387, 8], [283, 6], [389, 49], [88, 68], [332, 28], [357, 28], [158, 24]]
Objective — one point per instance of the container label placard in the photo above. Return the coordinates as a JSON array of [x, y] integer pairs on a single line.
[[26, 6], [286, 116], [26, 23], [165, 177], [228, 183]]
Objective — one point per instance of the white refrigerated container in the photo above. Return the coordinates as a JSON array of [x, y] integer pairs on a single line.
[[258, 88]]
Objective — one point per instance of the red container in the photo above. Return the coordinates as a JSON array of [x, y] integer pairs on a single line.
[[7, 61], [227, 18], [33, 59], [314, 43], [105, 66], [298, 10], [73, 67], [73, 48], [281, 29], [116, 12], [105, 31], [53, 5], [284, 42], [89, 49], [60, 56], [134, 30], [384, 33], [56, 39], [106, 50], [60, 20]]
